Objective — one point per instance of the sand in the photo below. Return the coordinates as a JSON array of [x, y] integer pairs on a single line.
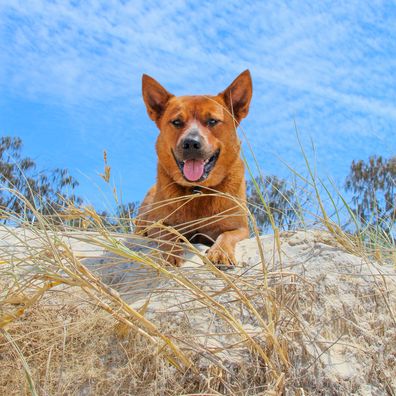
[[331, 312]]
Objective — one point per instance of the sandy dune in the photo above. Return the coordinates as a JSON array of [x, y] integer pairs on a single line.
[[334, 311]]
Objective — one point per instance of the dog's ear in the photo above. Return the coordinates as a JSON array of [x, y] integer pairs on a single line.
[[155, 97], [237, 96]]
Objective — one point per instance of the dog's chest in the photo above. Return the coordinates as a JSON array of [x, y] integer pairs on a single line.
[[200, 211]]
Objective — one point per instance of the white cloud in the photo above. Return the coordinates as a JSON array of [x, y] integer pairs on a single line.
[[329, 65]]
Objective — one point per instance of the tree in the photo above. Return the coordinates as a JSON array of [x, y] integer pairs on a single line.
[[373, 186], [281, 200], [123, 218], [47, 191]]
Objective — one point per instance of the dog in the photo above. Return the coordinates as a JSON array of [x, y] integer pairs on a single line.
[[200, 191]]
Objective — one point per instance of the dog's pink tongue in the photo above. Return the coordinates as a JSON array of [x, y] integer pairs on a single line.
[[193, 169]]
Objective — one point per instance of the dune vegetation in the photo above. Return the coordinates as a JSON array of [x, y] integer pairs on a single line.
[[88, 308]]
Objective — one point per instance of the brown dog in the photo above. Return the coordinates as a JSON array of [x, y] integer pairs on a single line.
[[199, 170]]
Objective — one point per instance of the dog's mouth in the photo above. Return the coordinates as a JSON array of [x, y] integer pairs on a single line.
[[197, 170]]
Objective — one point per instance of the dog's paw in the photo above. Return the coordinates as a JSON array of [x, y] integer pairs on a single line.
[[175, 261], [172, 256], [221, 258]]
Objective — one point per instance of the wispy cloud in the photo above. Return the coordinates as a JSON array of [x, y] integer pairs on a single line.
[[328, 65]]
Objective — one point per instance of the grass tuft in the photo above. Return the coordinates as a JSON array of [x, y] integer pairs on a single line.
[[85, 309]]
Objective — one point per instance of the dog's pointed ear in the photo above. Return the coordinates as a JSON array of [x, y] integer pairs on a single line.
[[155, 97], [238, 95]]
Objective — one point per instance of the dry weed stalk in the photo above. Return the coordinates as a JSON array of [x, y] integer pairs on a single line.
[[41, 265]]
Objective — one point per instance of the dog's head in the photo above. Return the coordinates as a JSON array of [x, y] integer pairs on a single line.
[[198, 143]]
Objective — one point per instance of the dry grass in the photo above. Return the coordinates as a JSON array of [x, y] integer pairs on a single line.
[[97, 312]]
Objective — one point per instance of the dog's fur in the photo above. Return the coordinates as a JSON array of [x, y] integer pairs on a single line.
[[179, 118]]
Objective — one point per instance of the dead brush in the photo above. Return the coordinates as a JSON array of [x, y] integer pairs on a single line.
[[70, 325], [46, 262]]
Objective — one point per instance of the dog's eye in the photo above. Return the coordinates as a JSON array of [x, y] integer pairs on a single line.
[[177, 123], [212, 122]]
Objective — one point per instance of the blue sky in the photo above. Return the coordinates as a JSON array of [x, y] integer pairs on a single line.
[[70, 80]]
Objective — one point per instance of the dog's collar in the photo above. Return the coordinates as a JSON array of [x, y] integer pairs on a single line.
[[196, 190]]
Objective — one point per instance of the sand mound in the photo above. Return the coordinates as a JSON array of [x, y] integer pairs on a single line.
[[311, 318]]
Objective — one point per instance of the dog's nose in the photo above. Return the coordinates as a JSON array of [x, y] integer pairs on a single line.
[[192, 143], [192, 146]]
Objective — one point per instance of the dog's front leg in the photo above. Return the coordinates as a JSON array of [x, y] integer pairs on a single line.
[[168, 245], [222, 253]]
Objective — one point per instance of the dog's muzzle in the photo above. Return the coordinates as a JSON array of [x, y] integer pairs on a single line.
[[194, 157], [197, 170]]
